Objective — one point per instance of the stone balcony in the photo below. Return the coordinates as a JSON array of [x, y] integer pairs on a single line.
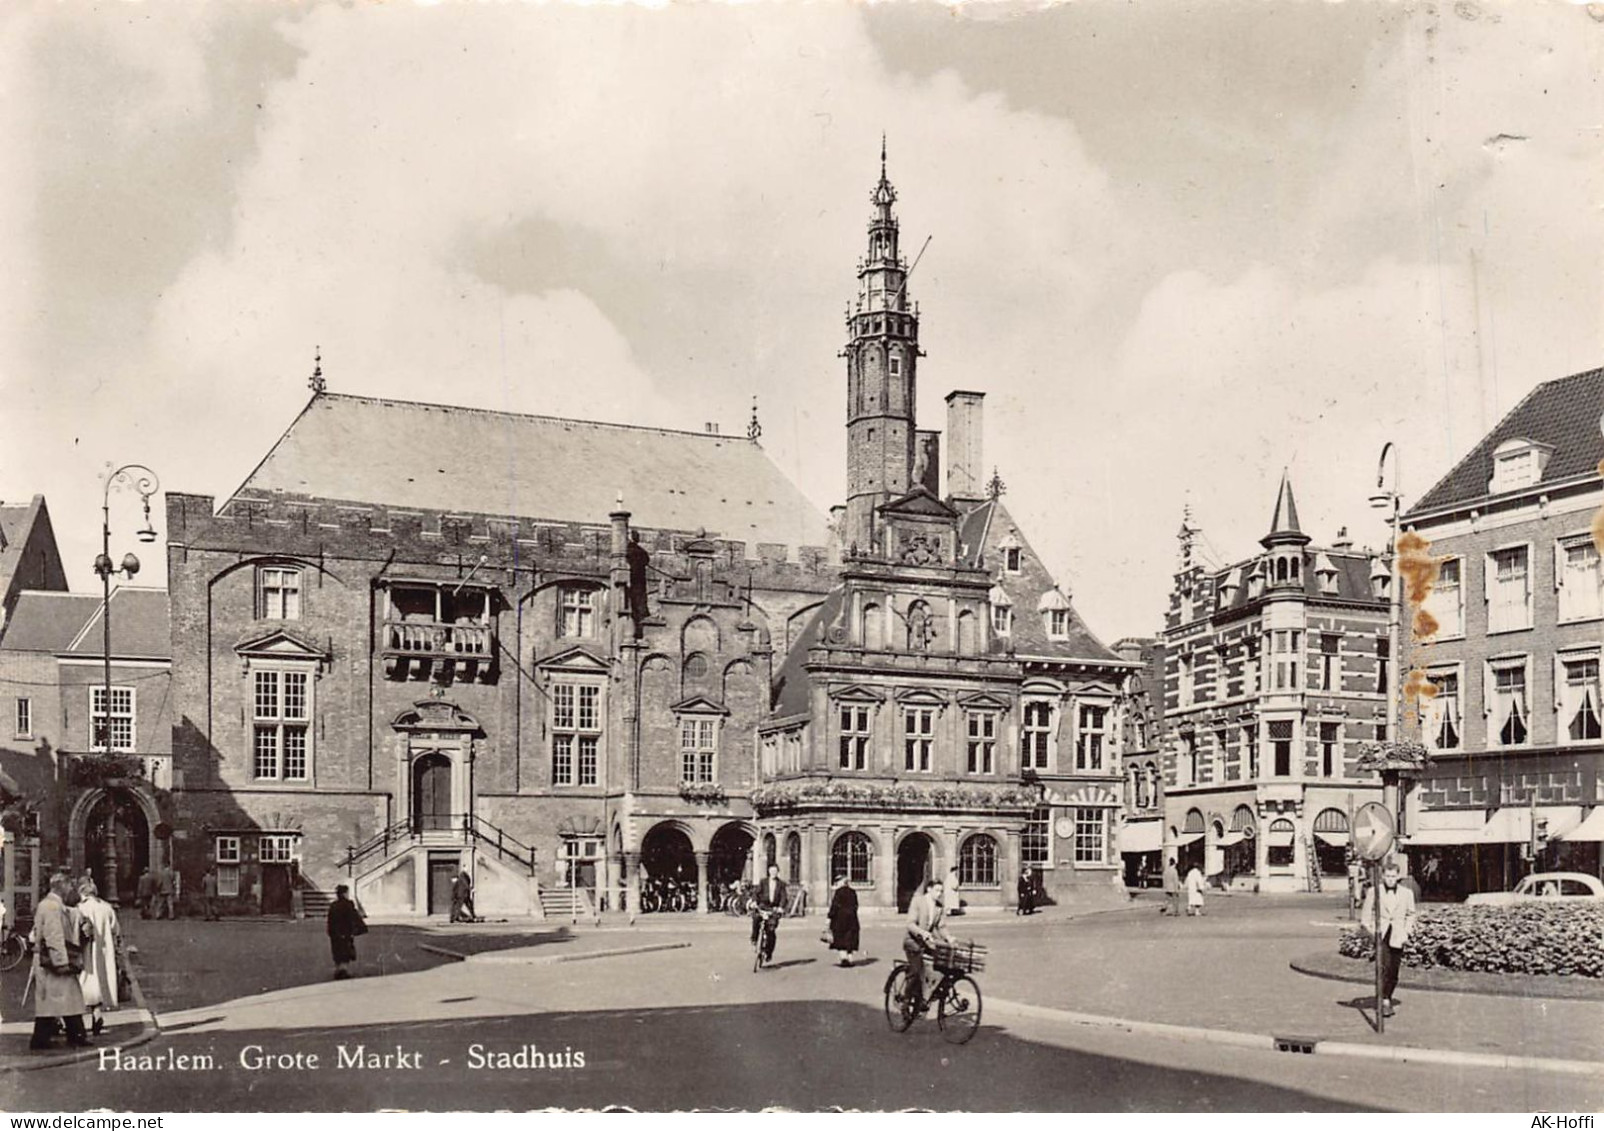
[[415, 649]]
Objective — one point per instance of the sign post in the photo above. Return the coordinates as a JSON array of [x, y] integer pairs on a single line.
[[1374, 830]]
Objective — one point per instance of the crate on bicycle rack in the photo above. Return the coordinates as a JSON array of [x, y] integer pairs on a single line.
[[959, 958]]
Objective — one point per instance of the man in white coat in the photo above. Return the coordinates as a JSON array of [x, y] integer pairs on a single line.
[[99, 979], [58, 960], [1397, 918]]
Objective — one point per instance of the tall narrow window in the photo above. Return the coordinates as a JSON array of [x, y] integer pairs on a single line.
[[120, 723], [1286, 647], [1440, 712], [698, 749], [1581, 584], [1330, 749], [1035, 735], [576, 611], [977, 862], [278, 593], [575, 733], [1250, 743], [1187, 689], [1509, 596], [1091, 836], [919, 738], [1090, 733], [281, 725], [855, 735], [1579, 698], [1011, 559], [982, 748], [1509, 703], [1330, 662], [24, 718], [1383, 664], [1035, 842], [1189, 755], [1281, 743], [1446, 602]]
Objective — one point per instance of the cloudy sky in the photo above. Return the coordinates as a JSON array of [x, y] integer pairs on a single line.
[[1181, 246]]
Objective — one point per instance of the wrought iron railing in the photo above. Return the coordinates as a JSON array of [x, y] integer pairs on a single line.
[[472, 828]]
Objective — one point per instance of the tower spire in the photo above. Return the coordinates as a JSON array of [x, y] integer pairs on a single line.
[[316, 382], [754, 429]]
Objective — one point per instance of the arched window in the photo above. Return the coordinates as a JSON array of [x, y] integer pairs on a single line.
[[793, 859], [852, 856], [873, 633], [695, 666], [769, 859], [977, 862], [1139, 778], [1279, 838]]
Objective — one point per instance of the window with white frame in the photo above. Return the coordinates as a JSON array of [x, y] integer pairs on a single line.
[[1250, 745], [1187, 689], [1189, 764], [1441, 713], [1579, 697], [852, 856], [576, 726], [1507, 705], [1002, 620], [1036, 734], [698, 748], [1509, 589], [281, 724], [1516, 464], [24, 717], [576, 611], [1035, 842], [1251, 682], [278, 593], [276, 848], [1285, 650], [918, 738], [1091, 733], [793, 751], [1580, 580], [977, 862], [857, 729], [1012, 559], [227, 850], [120, 722], [1091, 836], [982, 746], [1058, 623], [1445, 604]]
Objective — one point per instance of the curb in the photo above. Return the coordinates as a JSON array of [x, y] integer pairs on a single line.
[[1304, 1045], [550, 960], [149, 1030], [1301, 966]]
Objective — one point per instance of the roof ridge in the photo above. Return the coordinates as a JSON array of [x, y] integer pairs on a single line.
[[507, 413]]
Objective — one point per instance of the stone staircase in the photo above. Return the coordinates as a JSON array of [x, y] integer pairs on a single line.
[[315, 902], [565, 903]]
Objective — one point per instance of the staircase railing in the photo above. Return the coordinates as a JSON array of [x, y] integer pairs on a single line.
[[472, 828]]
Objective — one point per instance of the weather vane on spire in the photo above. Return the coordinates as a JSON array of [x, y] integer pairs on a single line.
[[754, 429], [882, 155], [316, 382], [996, 489]]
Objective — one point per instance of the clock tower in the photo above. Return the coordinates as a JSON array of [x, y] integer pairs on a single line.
[[882, 355]]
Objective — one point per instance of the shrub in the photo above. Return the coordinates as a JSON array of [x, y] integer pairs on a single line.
[[1525, 938]]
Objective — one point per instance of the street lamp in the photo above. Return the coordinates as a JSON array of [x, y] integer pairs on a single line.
[[1381, 500], [143, 480]]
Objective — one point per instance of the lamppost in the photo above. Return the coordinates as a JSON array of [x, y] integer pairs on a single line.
[[1383, 499], [143, 480]]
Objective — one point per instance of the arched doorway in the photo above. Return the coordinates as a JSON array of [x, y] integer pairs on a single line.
[[666, 857], [728, 856], [916, 862], [431, 792], [116, 844]]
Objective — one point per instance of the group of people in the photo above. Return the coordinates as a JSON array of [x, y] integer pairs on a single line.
[[77, 961], [157, 893], [1193, 886]]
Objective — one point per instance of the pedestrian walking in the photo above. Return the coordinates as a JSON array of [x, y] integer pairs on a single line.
[[101, 955], [844, 920], [345, 924], [57, 961], [1194, 891], [145, 893], [1397, 919], [209, 895], [164, 893], [1172, 888], [462, 898], [1027, 892]]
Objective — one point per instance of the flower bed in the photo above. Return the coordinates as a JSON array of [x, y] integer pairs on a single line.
[[1527, 938]]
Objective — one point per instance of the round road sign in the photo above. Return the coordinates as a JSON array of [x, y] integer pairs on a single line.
[[1374, 830]]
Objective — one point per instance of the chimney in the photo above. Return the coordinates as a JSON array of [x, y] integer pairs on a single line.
[[711, 428], [927, 461], [966, 465]]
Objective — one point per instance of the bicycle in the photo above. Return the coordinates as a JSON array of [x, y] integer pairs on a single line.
[[956, 996], [14, 949], [767, 935]]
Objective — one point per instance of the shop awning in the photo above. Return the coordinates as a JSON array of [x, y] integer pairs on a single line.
[[1452, 826], [1591, 829], [1185, 839], [1142, 836], [1513, 825], [1279, 839], [1336, 839], [1231, 838]]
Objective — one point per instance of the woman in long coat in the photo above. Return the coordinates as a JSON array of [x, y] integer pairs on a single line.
[[99, 979], [844, 921], [345, 924]]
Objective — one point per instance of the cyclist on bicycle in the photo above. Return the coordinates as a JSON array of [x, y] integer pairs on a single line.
[[925, 929], [771, 900]]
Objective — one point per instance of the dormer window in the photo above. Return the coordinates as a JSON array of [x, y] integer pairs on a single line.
[[1011, 559], [1054, 608], [1058, 623], [1516, 464], [1325, 575], [1002, 611]]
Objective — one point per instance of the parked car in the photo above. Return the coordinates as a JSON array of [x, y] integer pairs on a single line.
[[1567, 886]]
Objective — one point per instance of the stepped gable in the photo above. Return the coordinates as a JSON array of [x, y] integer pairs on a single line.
[[1562, 413], [429, 457]]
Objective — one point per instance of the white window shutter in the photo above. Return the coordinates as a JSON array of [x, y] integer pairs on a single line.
[[1488, 572], [1559, 564], [1559, 684]]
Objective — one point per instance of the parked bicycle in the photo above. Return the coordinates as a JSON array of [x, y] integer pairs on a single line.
[[956, 996], [15, 947]]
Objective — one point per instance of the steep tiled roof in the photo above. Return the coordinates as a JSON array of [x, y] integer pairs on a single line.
[[69, 623], [1563, 414], [1352, 568], [474, 461], [1284, 524], [28, 555], [48, 622]]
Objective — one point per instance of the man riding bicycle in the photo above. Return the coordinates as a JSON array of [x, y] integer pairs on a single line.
[[770, 901], [925, 930]]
